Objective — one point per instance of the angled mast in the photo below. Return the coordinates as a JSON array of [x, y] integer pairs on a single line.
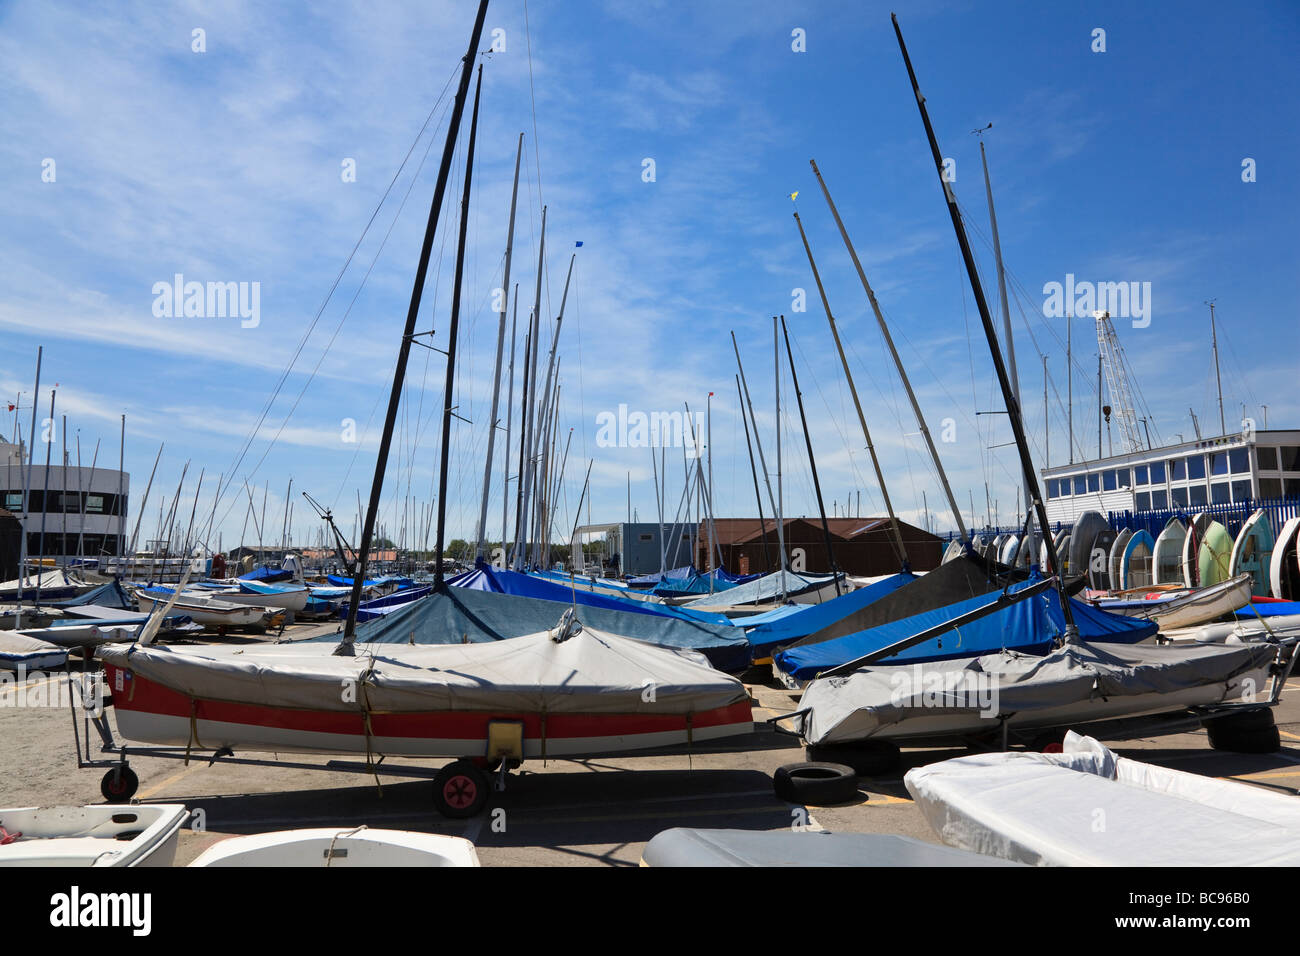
[[900, 548], [1004, 380], [898, 363], [395, 396]]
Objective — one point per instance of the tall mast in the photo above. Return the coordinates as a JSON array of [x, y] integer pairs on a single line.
[[505, 458], [496, 381], [762, 523], [440, 535], [27, 483], [812, 462], [408, 335], [900, 549], [758, 442], [1214, 339], [531, 421], [1007, 336], [780, 510], [513, 555], [1013, 406], [898, 363]]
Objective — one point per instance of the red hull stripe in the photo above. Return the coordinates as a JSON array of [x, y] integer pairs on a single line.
[[141, 694]]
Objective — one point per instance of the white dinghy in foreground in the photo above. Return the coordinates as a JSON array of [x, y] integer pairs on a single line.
[[1042, 809], [140, 835], [329, 847]]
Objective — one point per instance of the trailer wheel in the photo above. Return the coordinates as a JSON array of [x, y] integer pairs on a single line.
[[867, 757], [460, 790], [1048, 742], [119, 784], [817, 783]]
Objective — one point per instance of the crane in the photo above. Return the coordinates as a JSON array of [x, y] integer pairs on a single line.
[[1118, 384]]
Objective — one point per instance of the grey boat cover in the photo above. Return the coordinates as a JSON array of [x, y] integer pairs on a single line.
[[589, 672], [460, 615], [858, 705], [1043, 809], [764, 590]]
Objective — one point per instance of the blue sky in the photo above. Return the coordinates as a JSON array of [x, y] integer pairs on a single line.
[[224, 165]]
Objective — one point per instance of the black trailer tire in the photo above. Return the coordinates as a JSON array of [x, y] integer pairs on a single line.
[[119, 784], [816, 783], [1259, 719], [460, 790], [866, 758], [1261, 740]]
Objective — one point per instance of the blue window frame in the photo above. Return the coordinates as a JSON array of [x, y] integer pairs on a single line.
[[1158, 473]]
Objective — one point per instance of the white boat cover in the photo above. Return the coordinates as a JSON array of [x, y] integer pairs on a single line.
[[876, 699], [589, 672], [18, 649], [1089, 807]]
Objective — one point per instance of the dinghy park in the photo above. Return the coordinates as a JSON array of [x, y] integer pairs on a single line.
[[493, 627]]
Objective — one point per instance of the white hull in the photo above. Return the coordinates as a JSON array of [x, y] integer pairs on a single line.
[[212, 614], [93, 836], [357, 846]]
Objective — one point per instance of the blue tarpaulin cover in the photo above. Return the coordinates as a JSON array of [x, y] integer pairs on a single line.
[[111, 594], [1031, 625], [266, 574], [453, 615], [766, 636], [484, 577]]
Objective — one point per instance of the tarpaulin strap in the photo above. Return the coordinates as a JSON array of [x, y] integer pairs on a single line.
[[690, 739], [194, 729], [131, 677], [543, 735], [365, 712]]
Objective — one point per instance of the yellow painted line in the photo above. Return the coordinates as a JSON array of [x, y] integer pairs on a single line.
[[884, 800], [148, 792], [1263, 773], [1289, 736], [32, 684]]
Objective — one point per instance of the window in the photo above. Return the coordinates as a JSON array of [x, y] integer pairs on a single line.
[[1196, 496], [94, 504], [1144, 501], [1241, 490], [1270, 487], [646, 537], [1220, 492], [1179, 497], [1239, 459], [1291, 487], [1178, 469], [1267, 458], [1160, 499], [1108, 480], [1124, 481], [1290, 457], [1158, 473], [1219, 463], [1080, 485], [1196, 467], [1094, 482], [1140, 475], [1052, 488], [13, 501]]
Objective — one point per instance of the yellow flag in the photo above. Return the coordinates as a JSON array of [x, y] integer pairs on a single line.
[[795, 194]]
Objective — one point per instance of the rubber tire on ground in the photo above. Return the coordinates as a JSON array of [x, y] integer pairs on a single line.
[[816, 782], [867, 758], [1261, 740], [119, 784], [1248, 720], [460, 790]]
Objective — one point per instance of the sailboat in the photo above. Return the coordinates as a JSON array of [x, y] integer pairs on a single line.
[[571, 690]]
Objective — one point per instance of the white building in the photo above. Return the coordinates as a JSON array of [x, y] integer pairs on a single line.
[[1261, 465], [82, 510]]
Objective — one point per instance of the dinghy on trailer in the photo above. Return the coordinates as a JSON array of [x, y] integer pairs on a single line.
[[1252, 552], [1086, 528], [1099, 559], [1284, 566], [19, 650], [1010, 548], [1214, 558]]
